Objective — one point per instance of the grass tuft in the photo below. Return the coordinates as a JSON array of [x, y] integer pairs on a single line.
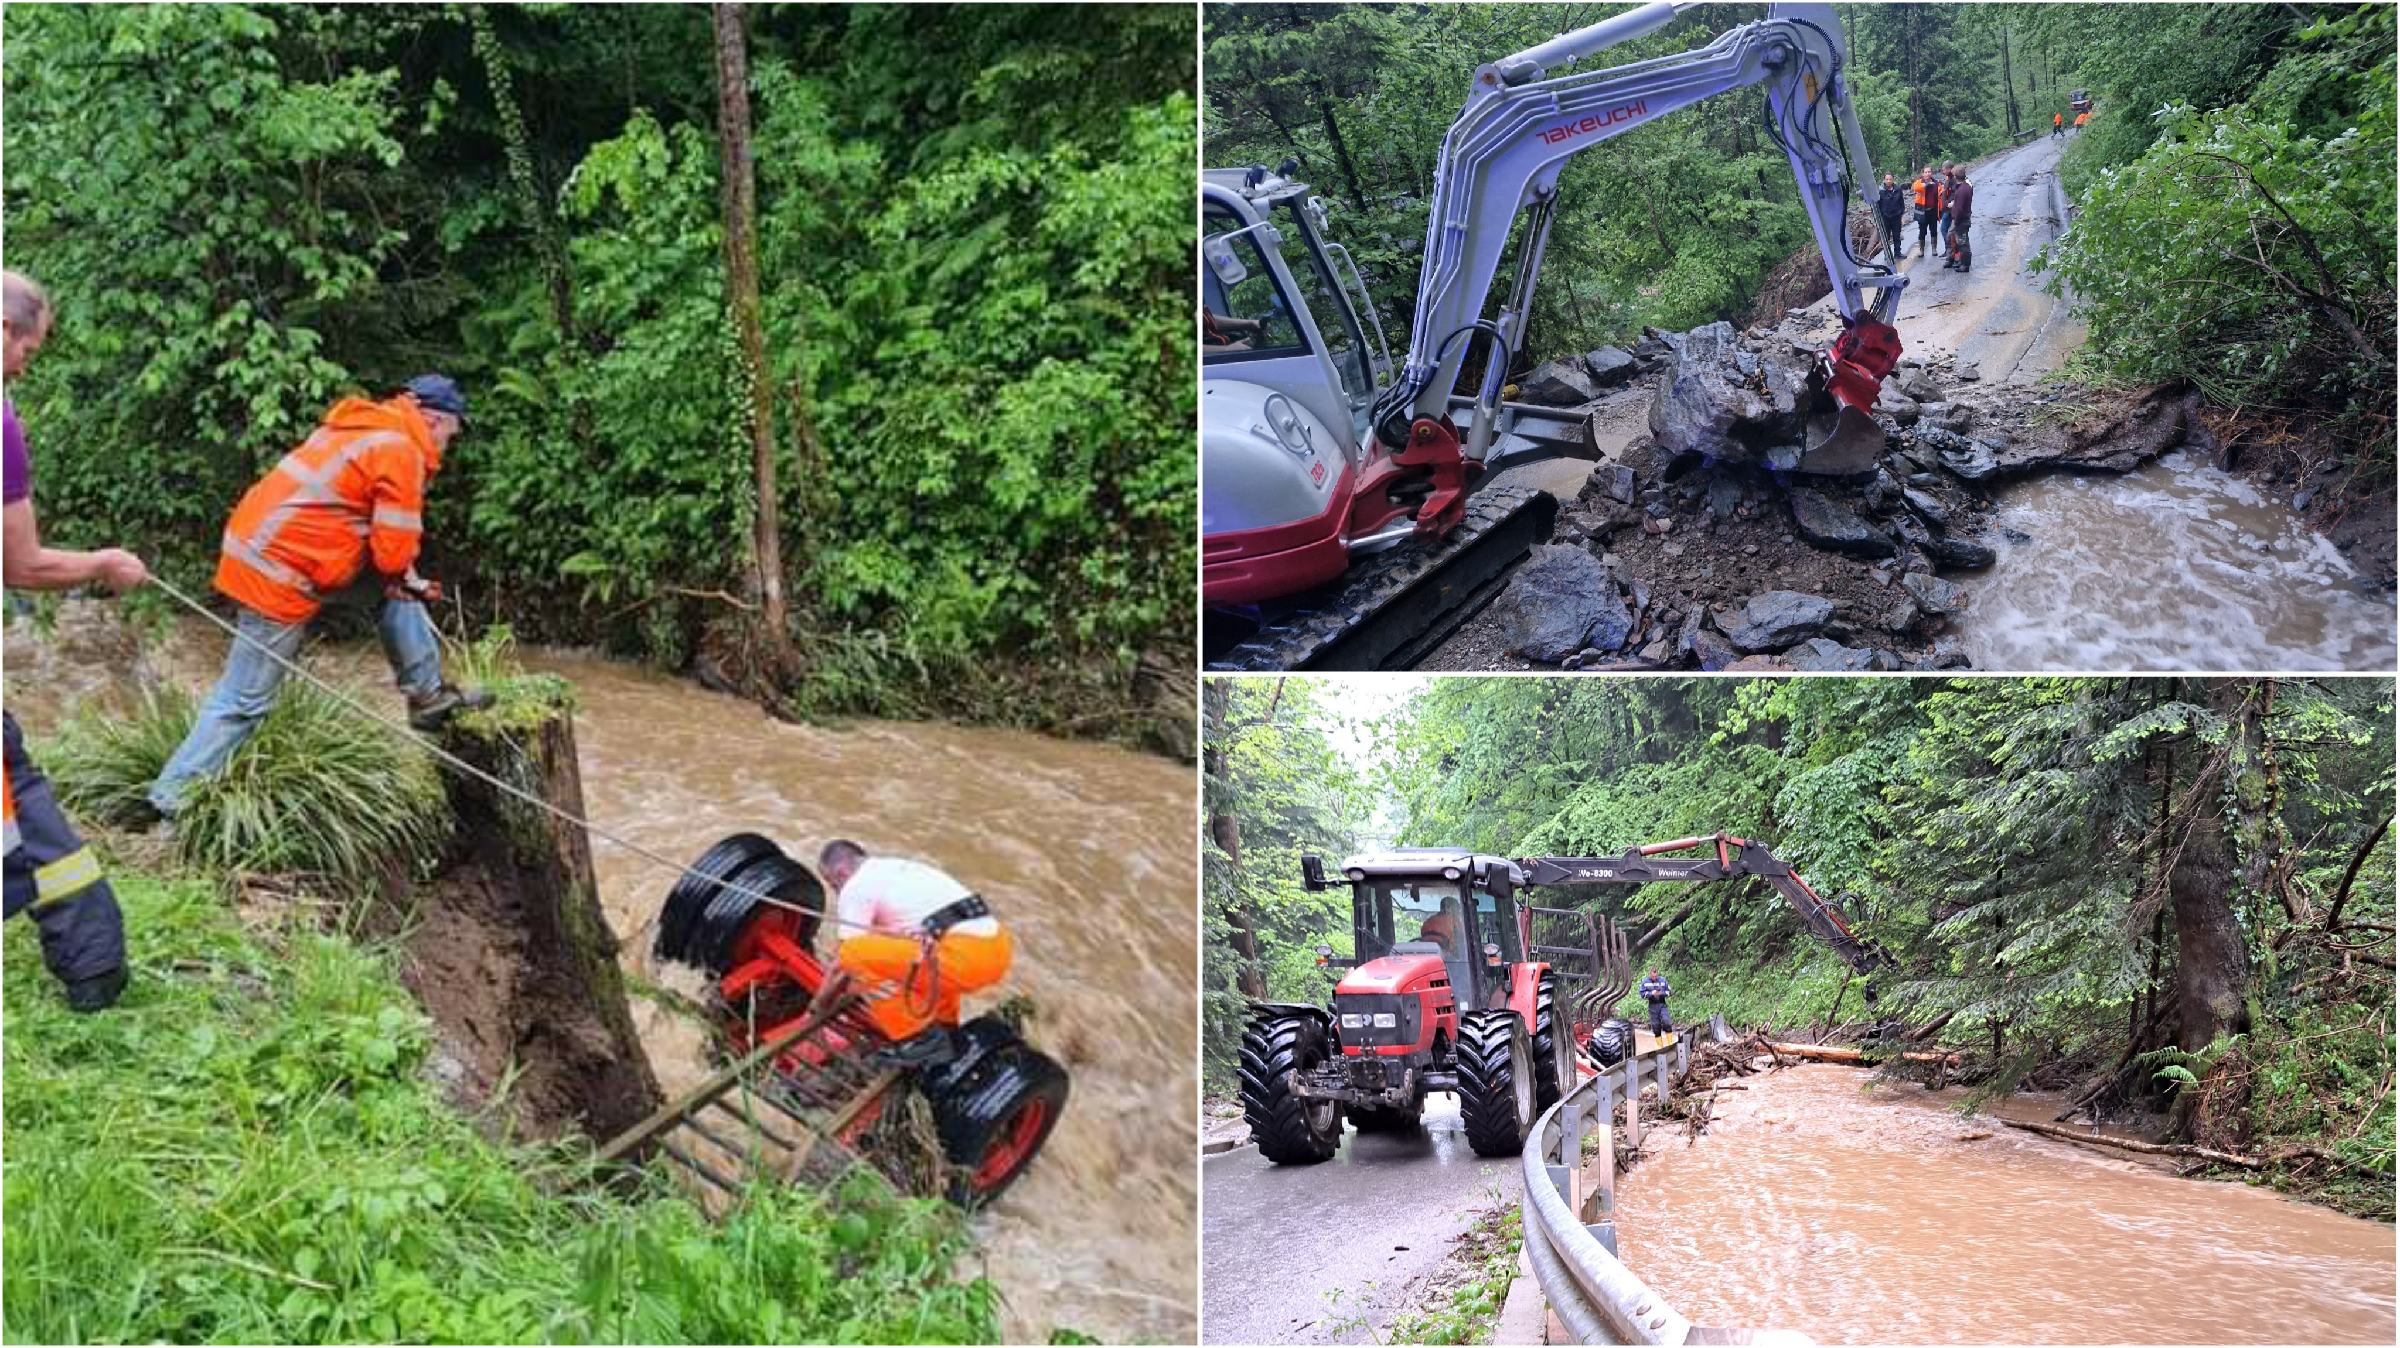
[[249, 1148]]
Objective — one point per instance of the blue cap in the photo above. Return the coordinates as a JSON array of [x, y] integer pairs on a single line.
[[438, 393]]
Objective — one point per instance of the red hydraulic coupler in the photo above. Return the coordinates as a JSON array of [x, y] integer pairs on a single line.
[[1859, 359]]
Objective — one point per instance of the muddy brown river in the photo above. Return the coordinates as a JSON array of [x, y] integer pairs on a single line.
[[1085, 850], [1861, 1216]]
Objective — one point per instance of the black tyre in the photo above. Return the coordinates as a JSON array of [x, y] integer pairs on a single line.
[[1288, 1129], [1553, 1045], [1611, 1043], [994, 1117], [1387, 1119], [715, 917], [698, 887], [1495, 1082]]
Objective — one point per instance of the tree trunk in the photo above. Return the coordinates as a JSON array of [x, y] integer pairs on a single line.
[[2212, 969], [2008, 81], [738, 193], [1225, 830]]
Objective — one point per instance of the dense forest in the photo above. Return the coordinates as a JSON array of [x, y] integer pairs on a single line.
[[968, 391], [2242, 152], [2170, 894]]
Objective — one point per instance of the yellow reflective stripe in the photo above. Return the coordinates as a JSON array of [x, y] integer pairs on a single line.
[[66, 877], [391, 517], [241, 551]]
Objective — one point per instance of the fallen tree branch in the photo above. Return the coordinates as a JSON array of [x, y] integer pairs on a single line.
[[2333, 915], [1828, 1053], [2146, 1148]]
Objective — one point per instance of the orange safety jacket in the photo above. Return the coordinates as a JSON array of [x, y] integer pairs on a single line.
[[1929, 195], [2056, 118], [2082, 117], [8, 814], [305, 529]]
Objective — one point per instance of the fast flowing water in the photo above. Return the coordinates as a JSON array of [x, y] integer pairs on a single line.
[[1084, 850], [1865, 1216], [2176, 565]]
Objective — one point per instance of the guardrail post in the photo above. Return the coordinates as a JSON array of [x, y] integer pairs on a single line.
[[1633, 1103], [1683, 1058], [1660, 1072], [1599, 1211], [1716, 1027]]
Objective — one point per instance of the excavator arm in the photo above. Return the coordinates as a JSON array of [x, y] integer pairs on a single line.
[[1502, 157], [1731, 858]]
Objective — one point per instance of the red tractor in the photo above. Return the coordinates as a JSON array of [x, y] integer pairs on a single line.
[[1448, 991], [748, 914], [1445, 994]]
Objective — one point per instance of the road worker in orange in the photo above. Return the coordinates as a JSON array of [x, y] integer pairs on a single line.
[[352, 493], [51, 873], [2081, 118], [1928, 190], [918, 939]]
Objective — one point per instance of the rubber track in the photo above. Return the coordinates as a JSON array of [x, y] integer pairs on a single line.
[[1545, 1025], [1487, 1098], [1387, 606], [1271, 1050]]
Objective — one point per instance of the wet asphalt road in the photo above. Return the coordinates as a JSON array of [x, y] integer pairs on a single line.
[[1327, 1253]]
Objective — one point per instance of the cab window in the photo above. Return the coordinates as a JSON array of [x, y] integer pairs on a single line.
[[1252, 317]]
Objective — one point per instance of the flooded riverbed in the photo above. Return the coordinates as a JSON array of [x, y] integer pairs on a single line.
[[1861, 1217], [1085, 850], [2176, 565]]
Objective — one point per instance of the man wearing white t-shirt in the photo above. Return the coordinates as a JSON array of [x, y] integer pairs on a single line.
[[916, 929]]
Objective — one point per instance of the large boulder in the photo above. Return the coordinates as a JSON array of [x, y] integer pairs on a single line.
[[1774, 620], [1959, 554], [1827, 523], [1824, 655], [1934, 596], [1611, 366], [1725, 401], [1560, 602], [1558, 383]]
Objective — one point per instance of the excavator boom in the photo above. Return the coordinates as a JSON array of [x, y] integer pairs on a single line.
[[1728, 858]]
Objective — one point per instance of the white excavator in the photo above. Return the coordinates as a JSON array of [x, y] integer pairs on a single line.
[[1342, 522]]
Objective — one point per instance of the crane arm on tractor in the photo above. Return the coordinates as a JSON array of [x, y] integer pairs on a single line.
[[1502, 157], [1732, 859]]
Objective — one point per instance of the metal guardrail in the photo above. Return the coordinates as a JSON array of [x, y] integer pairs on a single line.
[[1571, 1234]]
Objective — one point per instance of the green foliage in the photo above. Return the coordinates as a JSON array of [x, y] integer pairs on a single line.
[[975, 257], [1470, 1311], [2248, 247], [318, 791], [247, 1149]]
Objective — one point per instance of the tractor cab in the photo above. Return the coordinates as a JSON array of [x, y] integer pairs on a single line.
[[1421, 913]]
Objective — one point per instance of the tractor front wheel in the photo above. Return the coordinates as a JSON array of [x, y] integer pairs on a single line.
[[1553, 1045], [1289, 1130], [1495, 1082]]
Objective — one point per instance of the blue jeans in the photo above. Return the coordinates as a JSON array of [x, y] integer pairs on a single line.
[[246, 693]]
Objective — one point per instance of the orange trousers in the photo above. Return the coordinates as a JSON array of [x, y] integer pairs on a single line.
[[918, 992]]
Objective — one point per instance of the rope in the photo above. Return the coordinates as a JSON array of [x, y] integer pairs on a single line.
[[430, 746]]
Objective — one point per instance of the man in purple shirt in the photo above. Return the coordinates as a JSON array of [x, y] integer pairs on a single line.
[[49, 869]]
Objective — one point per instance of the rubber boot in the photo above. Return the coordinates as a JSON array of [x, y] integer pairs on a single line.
[[932, 1047], [97, 993]]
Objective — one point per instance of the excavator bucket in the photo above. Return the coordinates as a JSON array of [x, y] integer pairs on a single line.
[[1843, 439]]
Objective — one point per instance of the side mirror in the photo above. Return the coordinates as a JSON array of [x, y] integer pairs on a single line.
[[1312, 872], [1217, 250]]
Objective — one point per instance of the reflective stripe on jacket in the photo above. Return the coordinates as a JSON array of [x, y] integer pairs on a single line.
[[355, 487]]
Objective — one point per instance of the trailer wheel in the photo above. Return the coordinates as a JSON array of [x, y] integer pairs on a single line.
[[995, 1117], [1553, 1046], [1495, 1081], [1611, 1043], [1289, 1130]]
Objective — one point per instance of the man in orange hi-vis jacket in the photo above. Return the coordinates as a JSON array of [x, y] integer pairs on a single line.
[[354, 492]]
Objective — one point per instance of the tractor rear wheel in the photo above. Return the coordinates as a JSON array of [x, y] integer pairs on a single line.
[[1288, 1129], [1495, 1081], [1611, 1043], [1553, 1045], [698, 887], [1387, 1118], [715, 913], [994, 1117]]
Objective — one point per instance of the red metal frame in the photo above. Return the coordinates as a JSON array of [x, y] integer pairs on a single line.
[[769, 953]]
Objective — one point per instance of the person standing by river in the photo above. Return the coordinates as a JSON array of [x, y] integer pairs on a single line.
[[1654, 990], [353, 492], [1887, 210], [50, 870]]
